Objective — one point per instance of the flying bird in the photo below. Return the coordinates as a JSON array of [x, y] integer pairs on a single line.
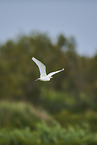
[[42, 69]]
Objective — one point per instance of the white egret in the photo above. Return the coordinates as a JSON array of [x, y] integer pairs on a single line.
[[42, 69]]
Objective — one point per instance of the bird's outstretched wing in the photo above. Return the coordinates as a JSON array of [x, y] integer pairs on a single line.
[[42, 67], [53, 73]]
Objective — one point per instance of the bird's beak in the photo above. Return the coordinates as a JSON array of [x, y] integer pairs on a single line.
[[51, 77]]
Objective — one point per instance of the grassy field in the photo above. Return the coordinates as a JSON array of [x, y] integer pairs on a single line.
[[24, 124]]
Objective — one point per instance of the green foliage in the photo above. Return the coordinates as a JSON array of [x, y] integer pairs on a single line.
[[18, 72], [17, 137], [70, 98], [22, 123], [47, 135], [86, 119], [21, 115]]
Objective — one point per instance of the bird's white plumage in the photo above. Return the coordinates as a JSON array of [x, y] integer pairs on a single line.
[[53, 73], [42, 69]]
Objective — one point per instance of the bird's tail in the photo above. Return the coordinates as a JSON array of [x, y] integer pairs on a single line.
[[37, 80]]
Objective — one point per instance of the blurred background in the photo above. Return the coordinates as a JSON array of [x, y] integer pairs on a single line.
[[59, 34]]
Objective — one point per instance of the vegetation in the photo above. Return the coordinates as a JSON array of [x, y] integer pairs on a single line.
[[62, 111], [23, 124]]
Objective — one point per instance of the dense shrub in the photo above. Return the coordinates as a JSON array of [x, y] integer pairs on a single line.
[[21, 115], [47, 135]]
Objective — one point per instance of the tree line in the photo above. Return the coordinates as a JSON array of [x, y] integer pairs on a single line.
[[75, 87]]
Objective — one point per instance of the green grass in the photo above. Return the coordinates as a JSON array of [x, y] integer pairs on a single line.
[[47, 135], [21, 115], [23, 124]]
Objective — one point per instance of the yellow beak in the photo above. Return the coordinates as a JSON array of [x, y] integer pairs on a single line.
[[51, 77]]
